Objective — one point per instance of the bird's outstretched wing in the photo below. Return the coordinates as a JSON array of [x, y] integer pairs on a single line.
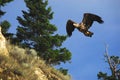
[[69, 27], [88, 19]]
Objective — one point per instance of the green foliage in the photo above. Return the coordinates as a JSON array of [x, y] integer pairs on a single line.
[[6, 26], [38, 33], [1, 13], [104, 76], [57, 56], [64, 71]]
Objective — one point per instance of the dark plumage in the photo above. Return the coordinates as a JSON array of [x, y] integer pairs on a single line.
[[83, 27]]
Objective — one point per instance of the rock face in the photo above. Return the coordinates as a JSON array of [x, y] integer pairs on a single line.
[[3, 49], [39, 73]]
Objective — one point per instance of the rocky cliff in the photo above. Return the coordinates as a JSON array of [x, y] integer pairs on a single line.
[[3, 49]]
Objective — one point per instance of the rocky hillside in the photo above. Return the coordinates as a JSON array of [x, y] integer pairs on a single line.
[[24, 64]]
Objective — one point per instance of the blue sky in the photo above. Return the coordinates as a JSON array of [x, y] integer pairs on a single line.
[[87, 53]]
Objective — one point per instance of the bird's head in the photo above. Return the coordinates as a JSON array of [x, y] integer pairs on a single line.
[[76, 25]]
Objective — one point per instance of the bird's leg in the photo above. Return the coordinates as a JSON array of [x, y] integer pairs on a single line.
[[88, 33]]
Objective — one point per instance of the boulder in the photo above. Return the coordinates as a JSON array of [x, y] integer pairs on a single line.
[[3, 49]]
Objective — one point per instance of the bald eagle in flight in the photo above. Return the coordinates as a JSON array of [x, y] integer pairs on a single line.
[[83, 27]]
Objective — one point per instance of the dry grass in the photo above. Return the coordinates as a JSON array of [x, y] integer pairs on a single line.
[[22, 64]]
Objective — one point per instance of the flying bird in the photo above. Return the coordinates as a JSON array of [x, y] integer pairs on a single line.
[[83, 27]]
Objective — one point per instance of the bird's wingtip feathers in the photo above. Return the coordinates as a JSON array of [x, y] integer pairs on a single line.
[[101, 21]]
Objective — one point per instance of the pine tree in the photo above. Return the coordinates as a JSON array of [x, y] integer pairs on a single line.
[[38, 33], [5, 24]]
